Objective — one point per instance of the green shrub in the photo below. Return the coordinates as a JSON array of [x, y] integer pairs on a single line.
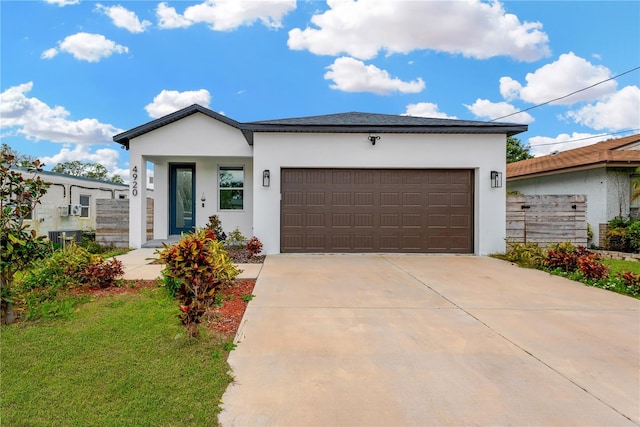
[[620, 222], [201, 265], [616, 240], [236, 239], [633, 237], [525, 254], [215, 225], [102, 274]]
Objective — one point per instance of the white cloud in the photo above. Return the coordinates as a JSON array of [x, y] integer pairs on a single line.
[[123, 18], [107, 157], [617, 112], [426, 109], [492, 110], [168, 18], [37, 121], [170, 101], [86, 47], [62, 3], [225, 15], [568, 74], [543, 145], [351, 75], [49, 53], [472, 28]]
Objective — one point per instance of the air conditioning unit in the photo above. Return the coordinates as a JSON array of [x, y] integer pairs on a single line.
[[76, 210], [64, 210]]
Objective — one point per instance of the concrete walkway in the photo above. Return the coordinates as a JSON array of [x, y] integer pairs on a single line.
[[371, 340], [139, 265]]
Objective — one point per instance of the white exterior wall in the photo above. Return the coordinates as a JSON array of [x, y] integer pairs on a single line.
[[65, 191], [607, 191], [482, 153], [197, 139]]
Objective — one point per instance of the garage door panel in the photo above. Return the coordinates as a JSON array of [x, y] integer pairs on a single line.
[[368, 210]]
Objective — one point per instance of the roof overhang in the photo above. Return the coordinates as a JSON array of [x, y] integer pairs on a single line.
[[599, 165]]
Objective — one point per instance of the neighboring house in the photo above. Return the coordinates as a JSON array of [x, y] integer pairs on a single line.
[[353, 182], [603, 172], [70, 203]]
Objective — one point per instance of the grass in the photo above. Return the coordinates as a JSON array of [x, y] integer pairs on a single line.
[[120, 360], [621, 266]]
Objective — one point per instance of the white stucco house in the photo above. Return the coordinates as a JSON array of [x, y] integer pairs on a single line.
[[352, 182], [69, 205], [603, 172]]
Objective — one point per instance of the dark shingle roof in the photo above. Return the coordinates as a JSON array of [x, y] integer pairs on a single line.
[[337, 123], [608, 153]]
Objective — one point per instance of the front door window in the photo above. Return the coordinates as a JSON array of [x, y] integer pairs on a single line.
[[182, 210]]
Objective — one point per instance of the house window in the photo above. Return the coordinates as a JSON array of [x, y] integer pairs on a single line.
[[84, 203], [231, 187]]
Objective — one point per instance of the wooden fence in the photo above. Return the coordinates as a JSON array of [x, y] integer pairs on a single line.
[[112, 222], [547, 219]]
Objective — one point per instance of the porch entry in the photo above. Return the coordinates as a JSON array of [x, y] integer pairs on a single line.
[[182, 206]]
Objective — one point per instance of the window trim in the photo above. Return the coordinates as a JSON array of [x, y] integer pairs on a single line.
[[242, 188], [87, 206]]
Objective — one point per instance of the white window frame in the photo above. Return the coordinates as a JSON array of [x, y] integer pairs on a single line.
[[241, 188], [87, 206]]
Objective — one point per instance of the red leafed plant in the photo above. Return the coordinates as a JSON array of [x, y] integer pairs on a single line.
[[202, 267], [631, 281], [102, 274], [254, 246], [592, 268]]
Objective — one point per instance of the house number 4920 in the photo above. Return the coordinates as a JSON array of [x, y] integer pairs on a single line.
[[134, 181]]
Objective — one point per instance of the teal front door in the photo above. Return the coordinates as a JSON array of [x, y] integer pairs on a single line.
[[182, 209]]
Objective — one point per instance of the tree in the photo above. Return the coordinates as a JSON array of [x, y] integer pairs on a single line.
[[21, 160], [517, 151], [19, 194], [86, 170]]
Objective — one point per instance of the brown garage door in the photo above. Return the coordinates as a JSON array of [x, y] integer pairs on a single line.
[[381, 210]]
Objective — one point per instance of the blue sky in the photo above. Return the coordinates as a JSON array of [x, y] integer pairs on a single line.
[[76, 72]]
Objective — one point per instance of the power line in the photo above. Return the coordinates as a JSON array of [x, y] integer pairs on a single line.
[[568, 95], [585, 138]]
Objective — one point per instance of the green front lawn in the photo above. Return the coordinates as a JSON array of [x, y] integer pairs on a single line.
[[120, 360], [621, 266]]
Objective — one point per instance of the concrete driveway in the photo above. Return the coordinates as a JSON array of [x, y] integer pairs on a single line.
[[403, 340]]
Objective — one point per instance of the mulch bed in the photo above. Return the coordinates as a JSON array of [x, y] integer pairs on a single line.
[[226, 319]]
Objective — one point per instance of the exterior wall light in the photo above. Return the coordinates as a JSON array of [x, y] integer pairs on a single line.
[[496, 179], [373, 138], [203, 199], [266, 178]]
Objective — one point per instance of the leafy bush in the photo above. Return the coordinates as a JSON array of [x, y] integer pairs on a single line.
[[525, 254], [631, 282], [201, 265], [591, 267], [102, 274], [254, 246], [236, 239], [215, 225], [633, 236], [620, 222], [39, 288], [616, 240]]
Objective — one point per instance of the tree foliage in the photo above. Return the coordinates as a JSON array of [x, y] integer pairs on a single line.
[[20, 192], [21, 160], [86, 170], [516, 150]]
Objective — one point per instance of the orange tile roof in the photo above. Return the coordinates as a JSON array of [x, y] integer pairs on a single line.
[[610, 153]]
